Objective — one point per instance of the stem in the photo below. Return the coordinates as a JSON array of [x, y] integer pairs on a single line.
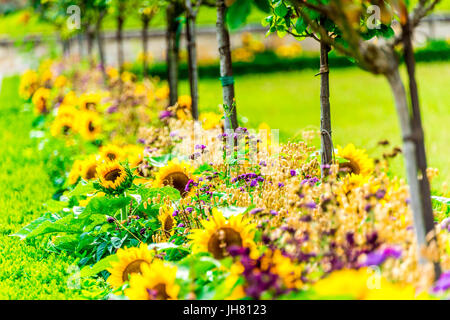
[[226, 70], [145, 23], [423, 220], [192, 58], [120, 54], [418, 136], [101, 50], [325, 114], [172, 53]]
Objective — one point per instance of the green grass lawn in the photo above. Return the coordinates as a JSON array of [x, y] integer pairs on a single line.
[[362, 108], [26, 272]]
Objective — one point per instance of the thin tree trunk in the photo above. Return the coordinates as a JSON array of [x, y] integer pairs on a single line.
[[172, 53], [423, 220], [418, 139], [80, 44], [192, 57], [145, 23], [226, 71], [120, 55], [101, 50], [90, 35], [325, 114]]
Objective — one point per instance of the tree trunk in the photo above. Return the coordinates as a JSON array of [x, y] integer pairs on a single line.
[[325, 115], [192, 58], [172, 53], [120, 55], [145, 23], [418, 140], [226, 71], [90, 35], [101, 50], [423, 220], [80, 44]]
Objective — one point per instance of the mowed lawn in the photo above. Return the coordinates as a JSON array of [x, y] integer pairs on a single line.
[[362, 108], [26, 271]]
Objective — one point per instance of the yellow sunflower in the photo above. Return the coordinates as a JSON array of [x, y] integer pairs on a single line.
[[89, 125], [167, 221], [112, 175], [28, 84], [70, 99], [219, 234], [68, 111], [75, 172], [185, 101], [60, 81], [175, 174], [89, 101], [88, 169], [162, 93], [358, 162], [131, 261], [112, 73], [40, 100], [62, 126], [155, 282], [210, 120], [111, 152]]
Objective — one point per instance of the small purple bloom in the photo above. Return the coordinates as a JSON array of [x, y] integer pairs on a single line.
[[293, 173], [175, 213], [256, 210], [380, 194], [181, 225], [280, 184], [142, 231], [254, 183], [189, 209], [112, 109], [443, 284], [141, 141], [263, 163], [165, 114], [311, 205], [273, 212], [110, 219]]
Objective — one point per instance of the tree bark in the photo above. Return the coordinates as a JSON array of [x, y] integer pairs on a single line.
[[325, 114], [192, 58], [423, 220], [226, 70], [120, 55], [80, 45], [90, 36], [101, 50], [145, 23], [424, 194], [172, 52]]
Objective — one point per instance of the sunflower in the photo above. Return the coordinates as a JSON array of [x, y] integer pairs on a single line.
[[134, 154], [89, 101], [131, 260], [358, 162], [68, 111], [70, 99], [62, 126], [111, 152], [220, 234], [28, 84], [353, 181], [40, 100], [167, 221], [162, 93], [175, 174], [89, 168], [89, 125], [112, 73], [60, 81], [155, 282], [113, 177], [210, 120], [75, 172]]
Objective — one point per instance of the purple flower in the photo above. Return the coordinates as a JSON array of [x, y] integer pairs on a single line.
[[175, 213], [445, 224], [443, 284], [263, 163], [110, 219], [112, 109], [165, 114], [378, 257], [368, 207], [189, 209], [256, 210], [293, 173], [200, 146], [141, 141], [273, 212], [280, 184], [181, 225], [380, 194], [306, 218], [254, 183], [311, 205], [142, 231]]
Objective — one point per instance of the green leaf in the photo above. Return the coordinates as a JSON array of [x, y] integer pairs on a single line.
[[165, 246], [300, 25], [149, 193], [31, 227], [116, 242], [280, 9], [100, 266], [237, 13], [262, 5], [105, 205]]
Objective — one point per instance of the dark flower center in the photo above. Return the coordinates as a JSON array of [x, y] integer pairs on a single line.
[[350, 167], [177, 180], [113, 175], [223, 239], [91, 172], [133, 267], [158, 292]]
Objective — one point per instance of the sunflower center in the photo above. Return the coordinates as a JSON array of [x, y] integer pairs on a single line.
[[90, 105], [111, 156], [91, 172], [168, 224], [113, 175], [91, 127], [221, 240], [66, 129], [350, 167], [158, 292], [178, 180], [133, 267]]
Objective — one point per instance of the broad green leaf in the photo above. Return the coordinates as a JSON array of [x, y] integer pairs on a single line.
[[105, 205], [237, 13], [100, 266], [82, 188]]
